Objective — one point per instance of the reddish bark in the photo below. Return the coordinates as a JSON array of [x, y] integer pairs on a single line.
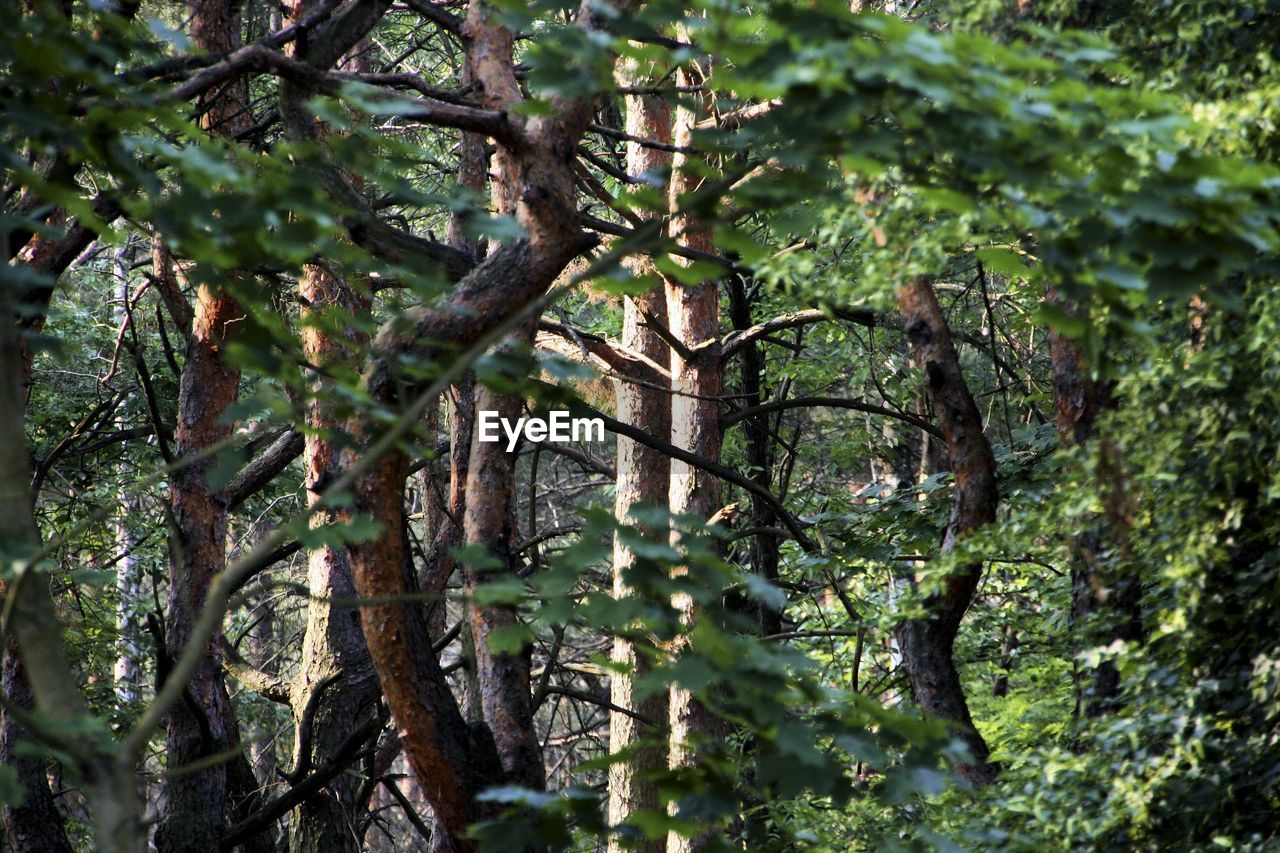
[[489, 518], [197, 804], [503, 677], [337, 689], [451, 761], [927, 644], [643, 477], [693, 314]]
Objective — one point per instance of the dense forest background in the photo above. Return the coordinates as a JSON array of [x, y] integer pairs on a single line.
[[937, 348]]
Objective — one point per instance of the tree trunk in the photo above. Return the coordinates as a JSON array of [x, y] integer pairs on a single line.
[[643, 477], [490, 522], [336, 691], [693, 314], [927, 644], [454, 762], [765, 547], [197, 803], [128, 667]]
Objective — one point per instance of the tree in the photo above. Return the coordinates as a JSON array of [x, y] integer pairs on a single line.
[[268, 267]]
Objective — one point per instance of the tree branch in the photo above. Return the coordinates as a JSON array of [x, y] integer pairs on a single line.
[[263, 683], [831, 402], [263, 469], [723, 472]]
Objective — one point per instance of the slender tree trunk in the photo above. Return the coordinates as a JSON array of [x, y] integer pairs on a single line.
[[643, 478], [927, 644], [489, 518], [693, 314], [336, 690], [765, 547], [128, 667], [197, 803]]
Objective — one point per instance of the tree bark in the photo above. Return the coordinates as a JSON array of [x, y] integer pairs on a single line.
[[452, 761], [693, 314], [336, 691], [643, 477], [489, 522], [198, 804], [765, 546], [927, 644]]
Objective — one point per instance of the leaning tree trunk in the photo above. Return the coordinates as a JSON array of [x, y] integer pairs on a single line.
[[927, 644], [453, 761], [693, 314], [643, 478], [1104, 607]]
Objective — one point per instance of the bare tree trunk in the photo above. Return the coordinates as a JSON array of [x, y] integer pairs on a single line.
[[693, 314], [643, 478], [1104, 606], [336, 690], [765, 546], [453, 761], [489, 517], [128, 667], [505, 691], [197, 803], [927, 644]]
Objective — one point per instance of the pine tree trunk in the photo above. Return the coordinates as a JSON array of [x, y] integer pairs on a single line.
[[336, 690], [643, 477], [197, 803], [693, 315], [504, 680]]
